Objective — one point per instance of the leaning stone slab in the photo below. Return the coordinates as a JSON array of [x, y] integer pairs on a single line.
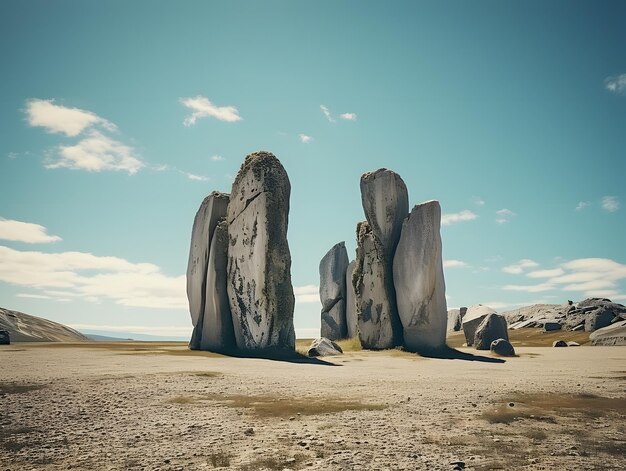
[[333, 292], [351, 315], [211, 210], [259, 262], [473, 317], [418, 279]]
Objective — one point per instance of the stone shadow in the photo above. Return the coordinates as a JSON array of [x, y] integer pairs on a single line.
[[449, 353], [277, 355]]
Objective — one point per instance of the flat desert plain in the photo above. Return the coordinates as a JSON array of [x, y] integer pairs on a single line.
[[158, 406]]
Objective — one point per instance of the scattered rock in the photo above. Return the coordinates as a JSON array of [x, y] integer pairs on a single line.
[[324, 347], [502, 347], [472, 319], [259, 262], [332, 289], [351, 315], [571, 343], [559, 343], [5, 337], [418, 279], [551, 326], [492, 327]]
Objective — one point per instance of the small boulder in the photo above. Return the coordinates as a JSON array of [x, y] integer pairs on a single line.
[[559, 343], [493, 327], [324, 347], [5, 337], [551, 326], [502, 347]]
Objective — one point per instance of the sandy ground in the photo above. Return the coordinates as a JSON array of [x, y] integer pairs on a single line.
[[160, 407]]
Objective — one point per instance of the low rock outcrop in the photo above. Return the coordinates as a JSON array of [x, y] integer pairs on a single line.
[[26, 328], [492, 327], [333, 294], [324, 347], [614, 334]]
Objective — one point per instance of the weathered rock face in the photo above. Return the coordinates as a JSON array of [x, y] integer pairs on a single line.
[[418, 279], [217, 326], [378, 324], [455, 318], [472, 319], [211, 210], [259, 262], [351, 316], [502, 347], [492, 327], [333, 292], [614, 334], [5, 338], [324, 347]]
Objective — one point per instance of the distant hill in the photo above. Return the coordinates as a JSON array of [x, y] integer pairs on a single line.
[[112, 336], [26, 328]]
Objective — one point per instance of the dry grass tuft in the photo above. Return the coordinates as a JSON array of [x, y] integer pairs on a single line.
[[208, 374], [352, 344], [274, 463], [220, 459]]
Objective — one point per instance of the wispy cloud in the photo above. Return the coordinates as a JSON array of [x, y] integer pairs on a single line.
[[344, 116], [216, 158], [478, 201], [307, 294], [304, 138], [453, 218], [326, 112], [616, 83], [61, 119], [520, 267], [202, 107], [19, 231], [348, 116], [504, 215], [610, 204], [454, 264], [545, 273], [582, 205], [192, 176]]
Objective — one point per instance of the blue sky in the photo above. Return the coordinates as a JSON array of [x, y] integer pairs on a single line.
[[118, 118]]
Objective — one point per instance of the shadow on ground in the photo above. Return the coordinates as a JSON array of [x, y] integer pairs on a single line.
[[278, 355], [448, 353]]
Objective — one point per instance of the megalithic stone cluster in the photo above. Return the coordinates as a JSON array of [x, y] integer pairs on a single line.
[[395, 288], [238, 276], [333, 293]]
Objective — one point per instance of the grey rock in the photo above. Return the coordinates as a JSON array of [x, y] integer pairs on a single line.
[[26, 328], [332, 270], [551, 326], [571, 343], [352, 319], [5, 337], [599, 318], [502, 347], [418, 279], [259, 262], [324, 347], [472, 319], [614, 334], [455, 319], [559, 343], [592, 302], [217, 327], [213, 208], [378, 323], [492, 327]]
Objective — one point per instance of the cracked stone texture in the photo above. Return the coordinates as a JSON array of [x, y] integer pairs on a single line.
[[211, 210], [419, 281], [351, 316], [259, 262], [217, 331], [333, 292]]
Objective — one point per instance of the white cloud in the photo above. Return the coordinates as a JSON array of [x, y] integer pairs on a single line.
[[201, 107], [545, 273], [93, 277], [454, 264], [520, 266], [95, 153], [610, 204], [504, 215], [60, 119], [307, 294], [326, 112], [217, 158], [194, 177], [27, 232], [582, 205], [616, 83], [304, 138], [530, 288], [348, 116], [478, 201], [453, 218]]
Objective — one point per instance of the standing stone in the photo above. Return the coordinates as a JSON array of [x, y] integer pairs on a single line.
[[378, 326], [211, 210], [472, 319], [418, 279], [259, 262], [217, 329], [333, 292], [386, 203], [351, 316], [492, 327], [455, 318]]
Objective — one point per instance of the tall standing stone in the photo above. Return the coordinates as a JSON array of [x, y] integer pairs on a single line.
[[351, 316], [211, 210], [217, 331], [418, 279], [333, 292], [259, 262], [385, 202]]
